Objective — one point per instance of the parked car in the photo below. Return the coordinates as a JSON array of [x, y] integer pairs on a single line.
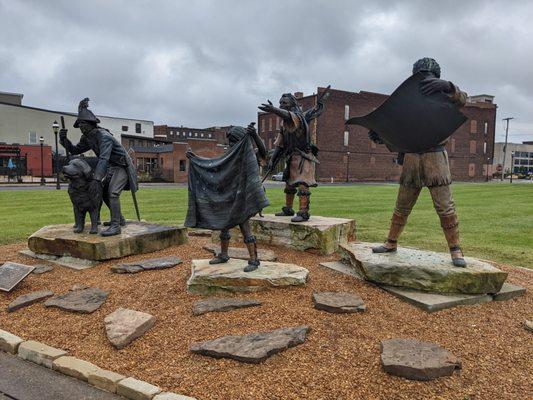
[[278, 176]]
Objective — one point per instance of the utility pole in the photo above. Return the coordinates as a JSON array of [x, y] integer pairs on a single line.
[[505, 146]]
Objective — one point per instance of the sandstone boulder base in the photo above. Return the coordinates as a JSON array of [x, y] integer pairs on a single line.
[[136, 238], [217, 304], [421, 361], [230, 277], [123, 326], [319, 233], [241, 252], [84, 301], [29, 299], [146, 265], [423, 270], [338, 302], [252, 348]]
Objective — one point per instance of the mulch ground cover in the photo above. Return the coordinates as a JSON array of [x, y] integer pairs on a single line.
[[339, 360]]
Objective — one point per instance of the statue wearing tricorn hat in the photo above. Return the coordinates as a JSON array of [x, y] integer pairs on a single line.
[[114, 169]]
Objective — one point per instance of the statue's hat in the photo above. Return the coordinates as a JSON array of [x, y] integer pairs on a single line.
[[84, 114]]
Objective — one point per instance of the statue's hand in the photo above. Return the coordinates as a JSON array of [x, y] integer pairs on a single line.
[[267, 107], [250, 129], [433, 85], [63, 134]]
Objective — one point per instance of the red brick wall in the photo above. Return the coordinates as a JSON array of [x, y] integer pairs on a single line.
[[369, 162], [33, 161]]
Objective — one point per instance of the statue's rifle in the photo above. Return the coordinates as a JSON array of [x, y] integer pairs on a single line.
[[63, 127]]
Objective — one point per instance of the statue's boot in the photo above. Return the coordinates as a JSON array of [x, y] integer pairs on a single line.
[[450, 227], [287, 210], [396, 228], [253, 261], [122, 221], [221, 257], [114, 208], [303, 213]]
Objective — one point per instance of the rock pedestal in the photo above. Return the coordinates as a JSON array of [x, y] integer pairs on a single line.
[[230, 277], [319, 233], [136, 238], [423, 270]]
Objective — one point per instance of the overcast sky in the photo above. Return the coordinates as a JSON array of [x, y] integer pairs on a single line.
[[202, 63]]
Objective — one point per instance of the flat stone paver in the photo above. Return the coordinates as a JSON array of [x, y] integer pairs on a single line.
[[42, 269], [209, 279], [136, 238], [432, 302], [74, 263], [29, 299], [39, 353], [83, 301], [217, 304], [74, 367], [9, 342], [423, 270], [146, 265], [342, 268], [135, 389], [338, 302], [508, 292], [123, 326]]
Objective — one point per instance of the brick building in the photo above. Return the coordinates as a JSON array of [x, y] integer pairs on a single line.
[[183, 134], [347, 154], [26, 160]]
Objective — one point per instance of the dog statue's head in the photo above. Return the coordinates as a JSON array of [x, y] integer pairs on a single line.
[[77, 168]]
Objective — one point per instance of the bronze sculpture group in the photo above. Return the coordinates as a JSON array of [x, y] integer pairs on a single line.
[[227, 191]]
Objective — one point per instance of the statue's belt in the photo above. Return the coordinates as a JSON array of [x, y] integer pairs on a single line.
[[304, 155]]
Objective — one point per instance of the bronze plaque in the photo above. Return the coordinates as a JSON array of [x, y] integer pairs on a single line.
[[11, 274]]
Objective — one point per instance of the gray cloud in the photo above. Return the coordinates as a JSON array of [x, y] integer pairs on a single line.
[[211, 62]]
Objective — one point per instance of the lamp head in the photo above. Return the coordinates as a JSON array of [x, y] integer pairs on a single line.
[[41, 139], [55, 127]]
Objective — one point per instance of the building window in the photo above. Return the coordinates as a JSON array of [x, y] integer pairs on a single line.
[[263, 124], [473, 126], [131, 142], [137, 128], [124, 128], [346, 112], [277, 123], [486, 128], [201, 135], [471, 170], [346, 137], [472, 147], [195, 134], [209, 136], [182, 165], [485, 148], [33, 138], [190, 134], [372, 160], [452, 145], [270, 124]]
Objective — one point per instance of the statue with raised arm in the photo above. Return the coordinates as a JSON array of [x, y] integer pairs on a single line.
[[114, 170], [294, 143]]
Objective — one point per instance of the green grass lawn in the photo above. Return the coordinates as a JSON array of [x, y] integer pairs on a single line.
[[496, 221]]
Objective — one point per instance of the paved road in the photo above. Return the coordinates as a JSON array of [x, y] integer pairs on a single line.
[[22, 380]]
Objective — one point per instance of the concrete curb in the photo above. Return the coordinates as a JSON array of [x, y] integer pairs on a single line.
[[59, 360]]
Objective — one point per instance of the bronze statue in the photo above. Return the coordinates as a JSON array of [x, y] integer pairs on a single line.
[[294, 142], [226, 191], [114, 170], [428, 167]]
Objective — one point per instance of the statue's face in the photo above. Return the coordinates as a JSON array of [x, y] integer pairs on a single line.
[[86, 127], [285, 103]]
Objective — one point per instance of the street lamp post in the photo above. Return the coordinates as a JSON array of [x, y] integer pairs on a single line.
[[512, 166], [41, 140], [55, 128], [488, 160], [347, 166]]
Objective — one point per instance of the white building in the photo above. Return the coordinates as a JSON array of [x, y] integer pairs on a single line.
[[24, 125], [519, 154]]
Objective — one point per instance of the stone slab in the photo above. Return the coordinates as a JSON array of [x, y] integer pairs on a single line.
[[104, 379], [29, 299], [9, 342], [84, 301], [230, 277], [432, 302], [146, 265], [343, 268], [508, 292], [11, 274], [135, 389], [242, 253], [423, 270], [172, 396], [136, 238], [254, 347], [421, 361], [42, 269], [319, 233], [338, 302], [528, 325], [123, 326], [74, 367], [217, 304], [39, 353], [77, 264]]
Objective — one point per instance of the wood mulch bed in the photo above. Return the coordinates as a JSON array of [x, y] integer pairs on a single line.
[[340, 359]]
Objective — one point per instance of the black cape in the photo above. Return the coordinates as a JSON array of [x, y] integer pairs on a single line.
[[225, 191], [410, 122]]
